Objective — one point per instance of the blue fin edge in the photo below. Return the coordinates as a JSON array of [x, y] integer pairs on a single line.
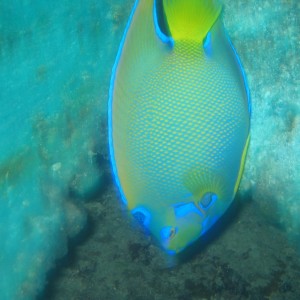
[[164, 38], [111, 91], [243, 73]]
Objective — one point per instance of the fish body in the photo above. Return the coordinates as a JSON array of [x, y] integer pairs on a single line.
[[179, 119]]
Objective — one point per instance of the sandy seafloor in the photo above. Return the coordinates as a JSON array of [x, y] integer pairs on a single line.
[[249, 254], [249, 259]]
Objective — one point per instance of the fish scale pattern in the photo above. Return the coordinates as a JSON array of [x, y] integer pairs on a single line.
[[181, 128]]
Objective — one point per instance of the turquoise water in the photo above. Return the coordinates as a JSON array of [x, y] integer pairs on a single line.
[[55, 65]]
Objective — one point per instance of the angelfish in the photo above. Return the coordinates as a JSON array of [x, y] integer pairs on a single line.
[[178, 118]]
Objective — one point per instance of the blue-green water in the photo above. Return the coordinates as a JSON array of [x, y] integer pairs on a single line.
[[55, 65]]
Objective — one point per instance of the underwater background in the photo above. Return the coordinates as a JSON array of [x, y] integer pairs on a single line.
[[64, 233]]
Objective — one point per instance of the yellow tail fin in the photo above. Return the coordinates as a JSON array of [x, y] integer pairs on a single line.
[[191, 19]]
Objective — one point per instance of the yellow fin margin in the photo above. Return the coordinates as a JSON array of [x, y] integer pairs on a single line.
[[242, 165], [191, 19]]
